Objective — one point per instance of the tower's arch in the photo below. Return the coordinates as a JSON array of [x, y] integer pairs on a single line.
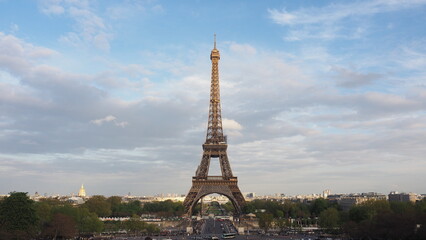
[[225, 193]]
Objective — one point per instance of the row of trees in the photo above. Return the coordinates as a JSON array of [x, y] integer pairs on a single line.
[[286, 209], [368, 220], [114, 207], [22, 218], [133, 225], [384, 220]]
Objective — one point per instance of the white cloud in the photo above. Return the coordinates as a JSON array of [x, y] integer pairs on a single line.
[[100, 121], [52, 7], [109, 118], [16, 55], [125, 9], [232, 127], [352, 79], [337, 12], [242, 49], [413, 57], [231, 124], [90, 27], [325, 22]]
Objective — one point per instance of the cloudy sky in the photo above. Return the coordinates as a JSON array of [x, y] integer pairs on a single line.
[[114, 94]]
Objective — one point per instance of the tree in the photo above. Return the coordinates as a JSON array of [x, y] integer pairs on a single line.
[[282, 224], [228, 207], [135, 225], [329, 219], [99, 205], [317, 206], [368, 210], [151, 228], [18, 216], [115, 202], [61, 226], [44, 213], [383, 220], [265, 221], [166, 208], [249, 208], [88, 222]]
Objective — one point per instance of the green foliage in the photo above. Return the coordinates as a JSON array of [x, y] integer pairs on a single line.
[[317, 206], [282, 224], [367, 210], [381, 220], [44, 212], [18, 216], [249, 208], [228, 207], [61, 226], [115, 203], [421, 206], [113, 226], [166, 208], [88, 222], [278, 209], [329, 219], [151, 228], [66, 210], [135, 225], [99, 205], [127, 209], [369, 220], [265, 221], [53, 202]]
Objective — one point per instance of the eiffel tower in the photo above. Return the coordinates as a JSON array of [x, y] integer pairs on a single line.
[[214, 147]]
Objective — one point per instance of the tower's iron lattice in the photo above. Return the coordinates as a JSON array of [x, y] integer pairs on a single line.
[[214, 147]]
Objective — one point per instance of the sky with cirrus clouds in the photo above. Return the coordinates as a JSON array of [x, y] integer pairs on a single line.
[[114, 94]]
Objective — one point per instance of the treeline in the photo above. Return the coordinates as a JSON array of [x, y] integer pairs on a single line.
[[23, 218], [368, 220], [114, 207], [286, 209], [384, 220]]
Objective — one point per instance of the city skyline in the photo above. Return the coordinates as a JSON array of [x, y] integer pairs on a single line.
[[315, 95]]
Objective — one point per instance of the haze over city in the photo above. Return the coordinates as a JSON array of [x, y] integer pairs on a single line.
[[315, 95]]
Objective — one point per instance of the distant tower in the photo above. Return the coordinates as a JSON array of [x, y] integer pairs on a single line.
[[325, 193], [82, 192]]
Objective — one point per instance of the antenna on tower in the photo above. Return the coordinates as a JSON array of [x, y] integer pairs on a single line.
[[215, 41]]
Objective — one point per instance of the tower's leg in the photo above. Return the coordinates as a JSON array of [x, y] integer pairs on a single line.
[[203, 168]]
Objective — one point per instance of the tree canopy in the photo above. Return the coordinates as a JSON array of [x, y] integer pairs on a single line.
[[18, 216]]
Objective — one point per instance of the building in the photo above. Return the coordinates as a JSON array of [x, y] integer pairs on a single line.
[[346, 202], [75, 200], [82, 192], [326, 193], [250, 195], [402, 197]]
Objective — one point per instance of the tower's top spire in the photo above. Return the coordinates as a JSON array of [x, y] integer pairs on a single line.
[[215, 52]]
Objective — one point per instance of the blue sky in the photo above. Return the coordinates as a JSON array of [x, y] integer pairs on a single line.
[[114, 94]]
